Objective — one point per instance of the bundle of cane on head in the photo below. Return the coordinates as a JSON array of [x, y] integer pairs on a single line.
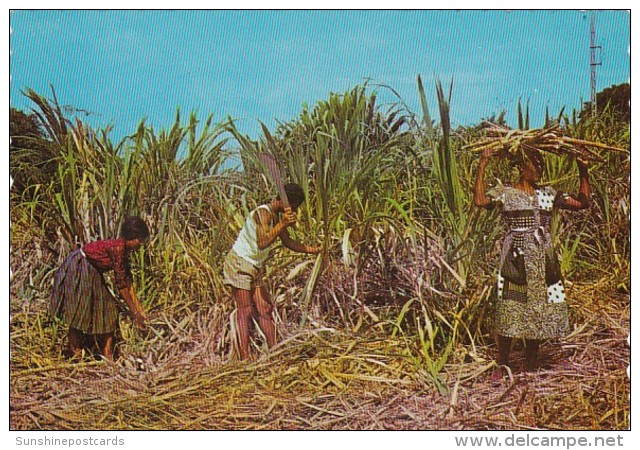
[[518, 145]]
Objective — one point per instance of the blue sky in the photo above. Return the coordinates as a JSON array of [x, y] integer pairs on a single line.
[[124, 66]]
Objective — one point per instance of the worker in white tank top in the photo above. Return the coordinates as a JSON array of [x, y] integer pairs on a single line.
[[244, 265], [246, 245]]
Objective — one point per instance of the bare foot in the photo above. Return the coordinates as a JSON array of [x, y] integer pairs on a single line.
[[531, 364], [499, 374]]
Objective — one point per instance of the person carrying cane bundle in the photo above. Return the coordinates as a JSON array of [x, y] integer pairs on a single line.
[[530, 300]]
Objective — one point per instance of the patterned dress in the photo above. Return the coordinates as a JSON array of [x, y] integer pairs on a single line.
[[530, 301]]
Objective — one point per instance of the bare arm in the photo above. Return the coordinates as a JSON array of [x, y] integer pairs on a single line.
[[133, 303], [583, 200], [479, 196], [123, 280], [297, 246], [266, 236]]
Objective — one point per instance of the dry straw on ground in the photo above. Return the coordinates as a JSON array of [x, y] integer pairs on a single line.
[[322, 379]]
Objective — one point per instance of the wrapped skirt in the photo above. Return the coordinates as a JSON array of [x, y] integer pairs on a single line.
[[81, 298]]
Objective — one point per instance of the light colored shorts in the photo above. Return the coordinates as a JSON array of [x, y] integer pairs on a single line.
[[240, 273]]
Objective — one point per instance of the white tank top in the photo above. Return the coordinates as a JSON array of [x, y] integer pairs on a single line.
[[246, 245]]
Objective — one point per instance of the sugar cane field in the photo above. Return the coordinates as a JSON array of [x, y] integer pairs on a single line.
[[388, 328]]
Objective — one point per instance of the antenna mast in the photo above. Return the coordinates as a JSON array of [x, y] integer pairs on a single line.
[[594, 63]]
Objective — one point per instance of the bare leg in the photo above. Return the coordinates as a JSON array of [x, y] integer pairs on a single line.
[[265, 319], [105, 345], [504, 348], [244, 320], [531, 354], [75, 339]]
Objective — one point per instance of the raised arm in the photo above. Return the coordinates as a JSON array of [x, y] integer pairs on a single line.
[[479, 196], [266, 235], [583, 200]]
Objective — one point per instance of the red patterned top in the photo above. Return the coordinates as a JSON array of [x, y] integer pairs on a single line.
[[110, 254]]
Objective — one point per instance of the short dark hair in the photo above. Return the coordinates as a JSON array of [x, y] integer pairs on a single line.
[[134, 227], [295, 194]]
